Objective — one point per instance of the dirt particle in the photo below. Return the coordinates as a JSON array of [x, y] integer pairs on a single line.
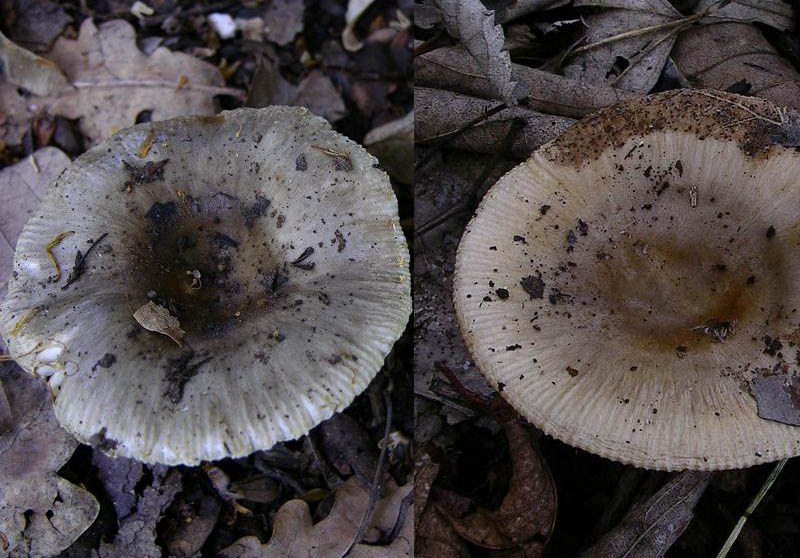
[[770, 232], [513, 347], [502, 293], [583, 228], [300, 164], [256, 210], [340, 240], [533, 285], [772, 346], [106, 361], [543, 209], [572, 371], [324, 298], [518, 238], [160, 213], [179, 372]]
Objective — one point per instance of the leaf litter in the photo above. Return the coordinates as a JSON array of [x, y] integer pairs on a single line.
[[41, 513]]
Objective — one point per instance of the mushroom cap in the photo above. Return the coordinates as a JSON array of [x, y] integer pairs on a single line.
[[622, 286], [272, 240]]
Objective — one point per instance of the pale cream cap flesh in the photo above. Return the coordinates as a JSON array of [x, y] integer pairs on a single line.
[[272, 240], [623, 286]]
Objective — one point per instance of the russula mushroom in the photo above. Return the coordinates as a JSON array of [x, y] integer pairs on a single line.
[[228, 283], [622, 286]]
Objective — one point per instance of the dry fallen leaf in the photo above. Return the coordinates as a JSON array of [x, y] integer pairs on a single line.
[[778, 398], [156, 318], [453, 69], [21, 190], [633, 63], [393, 145], [283, 19], [31, 72], [113, 81], [137, 532], [294, 535], [473, 24], [441, 112], [527, 514], [733, 52], [652, 525], [315, 92], [41, 514]]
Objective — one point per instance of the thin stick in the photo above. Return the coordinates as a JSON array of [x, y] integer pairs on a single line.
[[751, 508], [377, 481]]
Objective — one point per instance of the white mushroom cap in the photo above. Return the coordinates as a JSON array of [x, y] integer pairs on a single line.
[[270, 238], [623, 285]]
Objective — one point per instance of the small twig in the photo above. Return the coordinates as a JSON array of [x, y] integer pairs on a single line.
[[80, 262], [377, 481], [751, 508]]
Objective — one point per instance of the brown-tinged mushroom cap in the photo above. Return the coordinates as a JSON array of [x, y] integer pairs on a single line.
[[622, 286], [262, 257]]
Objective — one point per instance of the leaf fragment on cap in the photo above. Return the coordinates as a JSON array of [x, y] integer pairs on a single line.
[[156, 318]]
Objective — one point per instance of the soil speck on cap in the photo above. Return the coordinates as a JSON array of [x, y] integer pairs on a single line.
[[770, 231], [256, 210], [502, 293], [159, 213], [106, 361], [300, 163], [572, 371], [179, 372], [340, 240], [772, 345], [583, 228], [533, 285], [543, 209], [101, 441], [518, 238]]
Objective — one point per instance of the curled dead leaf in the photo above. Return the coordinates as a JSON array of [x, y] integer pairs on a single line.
[[156, 318]]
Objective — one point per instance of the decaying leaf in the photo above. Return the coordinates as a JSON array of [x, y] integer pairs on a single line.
[[473, 24], [453, 69], [527, 514], [393, 145], [40, 513], [441, 112], [315, 92], [34, 24], [31, 72], [652, 525], [156, 318], [354, 10], [113, 81], [733, 52], [137, 531], [283, 19], [778, 398], [633, 63], [21, 190], [294, 535], [775, 13]]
